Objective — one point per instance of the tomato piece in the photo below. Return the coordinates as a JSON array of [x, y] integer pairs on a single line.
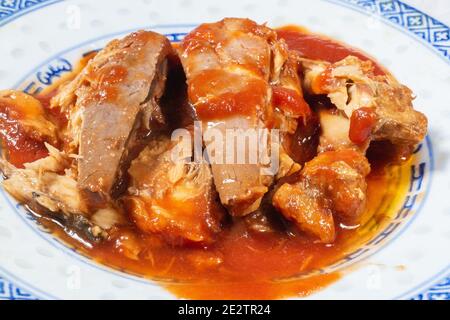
[[19, 146], [290, 101], [362, 122]]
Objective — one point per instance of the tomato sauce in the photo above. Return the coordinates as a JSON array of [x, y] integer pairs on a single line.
[[106, 80], [225, 103], [20, 145], [56, 116], [319, 47], [290, 101], [243, 264], [362, 122]]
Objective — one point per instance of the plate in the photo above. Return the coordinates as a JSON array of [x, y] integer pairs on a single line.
[[408, 259]]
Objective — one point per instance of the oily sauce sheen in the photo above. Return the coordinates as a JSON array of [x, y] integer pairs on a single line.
[[242, 264]]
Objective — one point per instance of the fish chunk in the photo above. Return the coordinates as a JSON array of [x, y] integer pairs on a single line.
[[240, 76], [46, 181], [173, 199], [371, 108], [113, 103], [331, 185]]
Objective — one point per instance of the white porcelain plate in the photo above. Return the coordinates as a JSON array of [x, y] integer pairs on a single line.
[[41, 39]]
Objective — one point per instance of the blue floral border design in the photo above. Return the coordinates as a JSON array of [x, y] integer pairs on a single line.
[[439, 291], [9, 291], [418, 23], [12, 9]]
